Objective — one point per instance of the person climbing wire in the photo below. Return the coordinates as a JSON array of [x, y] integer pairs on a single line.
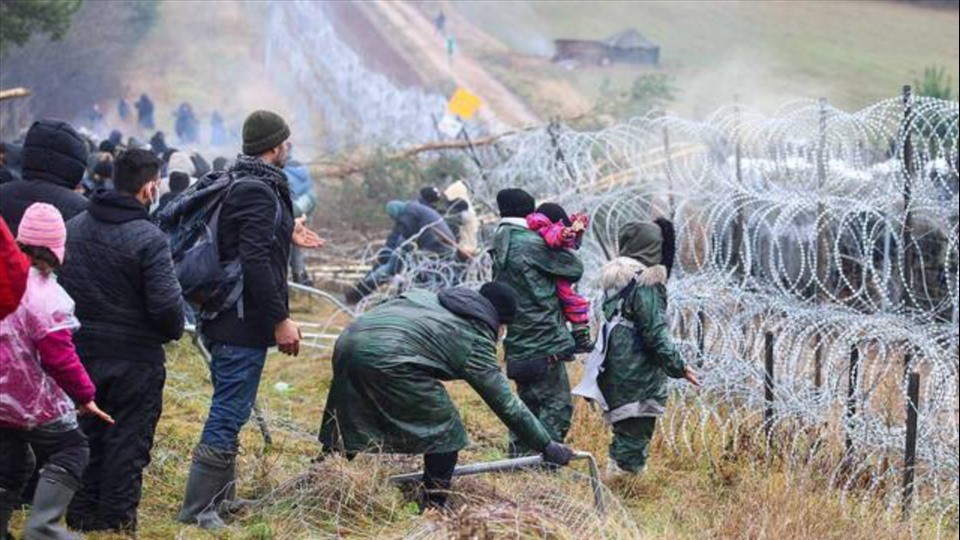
[[389, 366], [415, 225], [628, 371], [539, 343]]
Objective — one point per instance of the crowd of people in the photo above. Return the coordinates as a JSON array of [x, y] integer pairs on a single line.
[[108, 251]]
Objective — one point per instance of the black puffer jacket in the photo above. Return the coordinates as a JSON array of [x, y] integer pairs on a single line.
[[250, 229], [54, 160], [119, 271]]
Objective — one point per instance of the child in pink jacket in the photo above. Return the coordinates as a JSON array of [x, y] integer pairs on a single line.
[[42, 385], [560, 231]]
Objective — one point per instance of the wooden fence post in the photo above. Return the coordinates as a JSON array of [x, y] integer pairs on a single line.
[[910, 454], [768, 386]]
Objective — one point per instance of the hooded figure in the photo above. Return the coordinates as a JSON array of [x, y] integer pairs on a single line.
[[539, 342], [387, 393], [635, 350], [54, 162]]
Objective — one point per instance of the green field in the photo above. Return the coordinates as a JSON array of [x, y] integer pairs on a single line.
[[762, 53]]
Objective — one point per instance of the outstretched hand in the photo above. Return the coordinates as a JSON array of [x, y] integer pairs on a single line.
[[305, 238], [91, 409], [691, 377]]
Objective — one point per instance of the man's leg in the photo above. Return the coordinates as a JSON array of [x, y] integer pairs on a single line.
[[16, 466], [550, 401], [84, 511], [630, 448], [137, 399], [437, 479], [236, 374]]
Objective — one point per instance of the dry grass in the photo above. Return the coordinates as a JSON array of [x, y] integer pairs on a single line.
[[714, 490]]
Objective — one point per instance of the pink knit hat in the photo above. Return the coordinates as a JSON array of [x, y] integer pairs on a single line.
[[42, 226]]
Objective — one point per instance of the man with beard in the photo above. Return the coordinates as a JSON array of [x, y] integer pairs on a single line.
[[256, 227]]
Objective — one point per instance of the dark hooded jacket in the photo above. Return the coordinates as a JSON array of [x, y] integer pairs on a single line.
[[388, 365], [119, 272], [54, 161], [256, 225]]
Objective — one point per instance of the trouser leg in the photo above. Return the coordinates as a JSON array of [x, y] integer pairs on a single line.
[[437, 479], [59, 480], [236, 373], [630, 448], [551, 402], [17, 463]]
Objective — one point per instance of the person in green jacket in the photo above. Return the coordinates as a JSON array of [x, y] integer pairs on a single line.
[[387, 394], [636, 355], [539, 342]]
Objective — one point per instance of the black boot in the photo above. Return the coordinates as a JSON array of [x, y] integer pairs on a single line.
[[211, 480], [581, 336], [54, 492], [437, 480], [9, 503]]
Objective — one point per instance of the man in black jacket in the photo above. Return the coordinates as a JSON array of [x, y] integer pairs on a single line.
[[54, 160], [129, 303], [256, 225]]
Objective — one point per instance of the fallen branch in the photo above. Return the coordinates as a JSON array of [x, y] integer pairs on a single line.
[[13, 93]]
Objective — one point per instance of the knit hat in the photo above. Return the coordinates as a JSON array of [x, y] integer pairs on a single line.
[[515, 203], [54, 152], [263, 130], [503, 298], [395, 208], [430, 195], [555, 213], [42, 226]]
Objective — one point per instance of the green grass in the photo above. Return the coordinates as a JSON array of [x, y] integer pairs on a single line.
[[763, 53]]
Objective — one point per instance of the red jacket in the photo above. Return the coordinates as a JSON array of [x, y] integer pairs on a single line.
[[14, 267]]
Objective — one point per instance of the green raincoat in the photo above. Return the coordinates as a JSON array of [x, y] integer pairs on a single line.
[[386, 394], [634, 377], [522, 260]]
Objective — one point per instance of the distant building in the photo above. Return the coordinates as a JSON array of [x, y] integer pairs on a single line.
[[627, 47]]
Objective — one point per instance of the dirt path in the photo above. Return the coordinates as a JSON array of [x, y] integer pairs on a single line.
[[417, 30]]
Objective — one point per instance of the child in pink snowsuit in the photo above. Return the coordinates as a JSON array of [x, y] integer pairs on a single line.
[[42, 384], [560, 231]]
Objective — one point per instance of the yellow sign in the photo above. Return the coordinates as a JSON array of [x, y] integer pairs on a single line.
[[464, 104]]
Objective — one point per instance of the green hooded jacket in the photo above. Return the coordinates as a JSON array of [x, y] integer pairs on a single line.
[[635, 373], [522, 260], [388, 365]]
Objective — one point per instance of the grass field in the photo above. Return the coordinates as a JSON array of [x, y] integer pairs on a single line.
[[710, 492], [763, 53]]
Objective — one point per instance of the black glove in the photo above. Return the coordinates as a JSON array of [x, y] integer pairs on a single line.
[[581, 336], [557, 454]]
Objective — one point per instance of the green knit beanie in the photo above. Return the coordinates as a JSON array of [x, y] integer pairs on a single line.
[[395, 208], [263, 130]]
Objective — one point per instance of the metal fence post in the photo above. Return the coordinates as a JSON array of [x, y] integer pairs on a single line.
[[910, 454], [854, 377], [768, 386]]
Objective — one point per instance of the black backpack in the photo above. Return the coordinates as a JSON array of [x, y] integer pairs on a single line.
[[191, 222]]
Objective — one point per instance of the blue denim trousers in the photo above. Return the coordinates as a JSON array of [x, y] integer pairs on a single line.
[[235, 372]]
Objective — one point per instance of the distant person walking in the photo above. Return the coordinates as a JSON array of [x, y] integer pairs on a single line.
[[144, 112]]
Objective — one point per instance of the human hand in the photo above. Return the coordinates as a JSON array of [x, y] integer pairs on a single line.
[[305, 238], [91, 409], [691, 377], [287, 335], [557, 454]]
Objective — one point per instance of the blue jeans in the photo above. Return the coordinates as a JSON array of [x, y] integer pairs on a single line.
[[235, 372]]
